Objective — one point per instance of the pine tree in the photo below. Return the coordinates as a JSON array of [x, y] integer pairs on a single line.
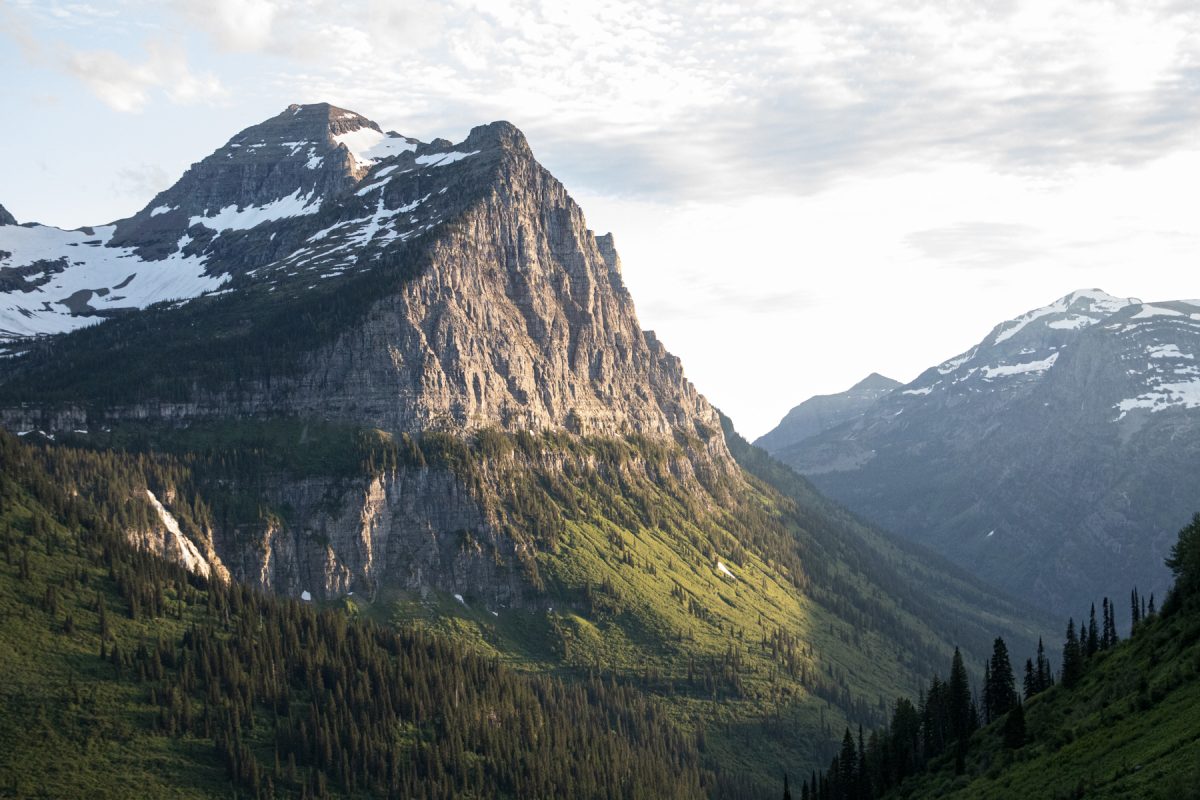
[[1134, 608], [787, 793]]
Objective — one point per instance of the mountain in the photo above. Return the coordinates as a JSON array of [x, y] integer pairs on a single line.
[[6, 218], [1053, 459], [419, 393], [825, 411]]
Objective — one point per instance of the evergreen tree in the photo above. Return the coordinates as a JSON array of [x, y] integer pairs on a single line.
[[1000, 695], [1014, 728], [963, 717], [1091, 639], [1043, 673], [1110, 625], [787, 793], [1184, 563], [1072, 660], [1030, 685], [1134, 607], [848, 772]]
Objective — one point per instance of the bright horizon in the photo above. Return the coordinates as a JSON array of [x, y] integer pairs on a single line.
[[799, 198]]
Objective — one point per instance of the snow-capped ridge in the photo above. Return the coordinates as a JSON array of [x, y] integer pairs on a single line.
[[1075, 311]]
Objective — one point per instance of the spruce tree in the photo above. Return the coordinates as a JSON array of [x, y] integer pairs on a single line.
[[1072, 660], [787, 793], [1001, 694], [1014, 728], [1092, 636], [1134, 607], [963, 718], [1031, 683]]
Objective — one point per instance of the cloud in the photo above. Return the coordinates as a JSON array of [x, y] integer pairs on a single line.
[[126, 86], [237, 25], [141, 181], [981, 245]]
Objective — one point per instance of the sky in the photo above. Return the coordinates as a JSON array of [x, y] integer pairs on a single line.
[[801, 193]]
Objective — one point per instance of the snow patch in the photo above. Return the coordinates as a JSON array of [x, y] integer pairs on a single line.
[[232, 218], [1185, 394], [154, 212], [368, 145], [443, 159], [459, 598], [1168, 351], [924, 390], [1072, 323], [1020, 369], [93, 276], [1148, 312], [306, 596], [724, 570]]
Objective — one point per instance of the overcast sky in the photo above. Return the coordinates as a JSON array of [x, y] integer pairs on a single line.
[[801, 193]]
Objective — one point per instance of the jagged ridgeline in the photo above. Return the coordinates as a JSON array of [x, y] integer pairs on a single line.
[[417, 390]]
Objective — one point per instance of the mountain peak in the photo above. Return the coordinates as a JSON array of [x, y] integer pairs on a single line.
[[1079, 309], [875, 382], [6, 218]]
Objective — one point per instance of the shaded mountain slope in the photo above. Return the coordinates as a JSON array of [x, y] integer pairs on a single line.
[[1053, 459]]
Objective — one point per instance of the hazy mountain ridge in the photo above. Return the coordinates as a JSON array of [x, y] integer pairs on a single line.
[[1050, 459], [822, 412]]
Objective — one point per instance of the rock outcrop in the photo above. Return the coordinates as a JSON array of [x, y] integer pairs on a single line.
[[6, 218]]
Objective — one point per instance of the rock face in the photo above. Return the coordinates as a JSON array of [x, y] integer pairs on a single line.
[[414, 529], [6, 218], [825, 411], [515, 317], [1055, 459]]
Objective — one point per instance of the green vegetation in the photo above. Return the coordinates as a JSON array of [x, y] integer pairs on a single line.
[[1123, 722], [762, 620], [126, 676]]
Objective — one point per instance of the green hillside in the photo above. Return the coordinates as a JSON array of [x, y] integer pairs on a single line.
[[762, 618], [1128, 726], [125, 676]]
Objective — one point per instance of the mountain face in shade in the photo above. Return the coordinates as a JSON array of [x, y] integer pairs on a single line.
[[1056, 458], [822, 412], [6, 218]]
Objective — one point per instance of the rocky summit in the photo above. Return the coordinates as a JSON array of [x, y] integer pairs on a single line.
[[1055, 458], [518, 318]]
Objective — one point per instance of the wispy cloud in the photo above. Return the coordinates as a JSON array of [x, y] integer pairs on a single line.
[[125, 85]]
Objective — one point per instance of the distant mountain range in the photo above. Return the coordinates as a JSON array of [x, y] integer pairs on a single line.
[[1056, 459]]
